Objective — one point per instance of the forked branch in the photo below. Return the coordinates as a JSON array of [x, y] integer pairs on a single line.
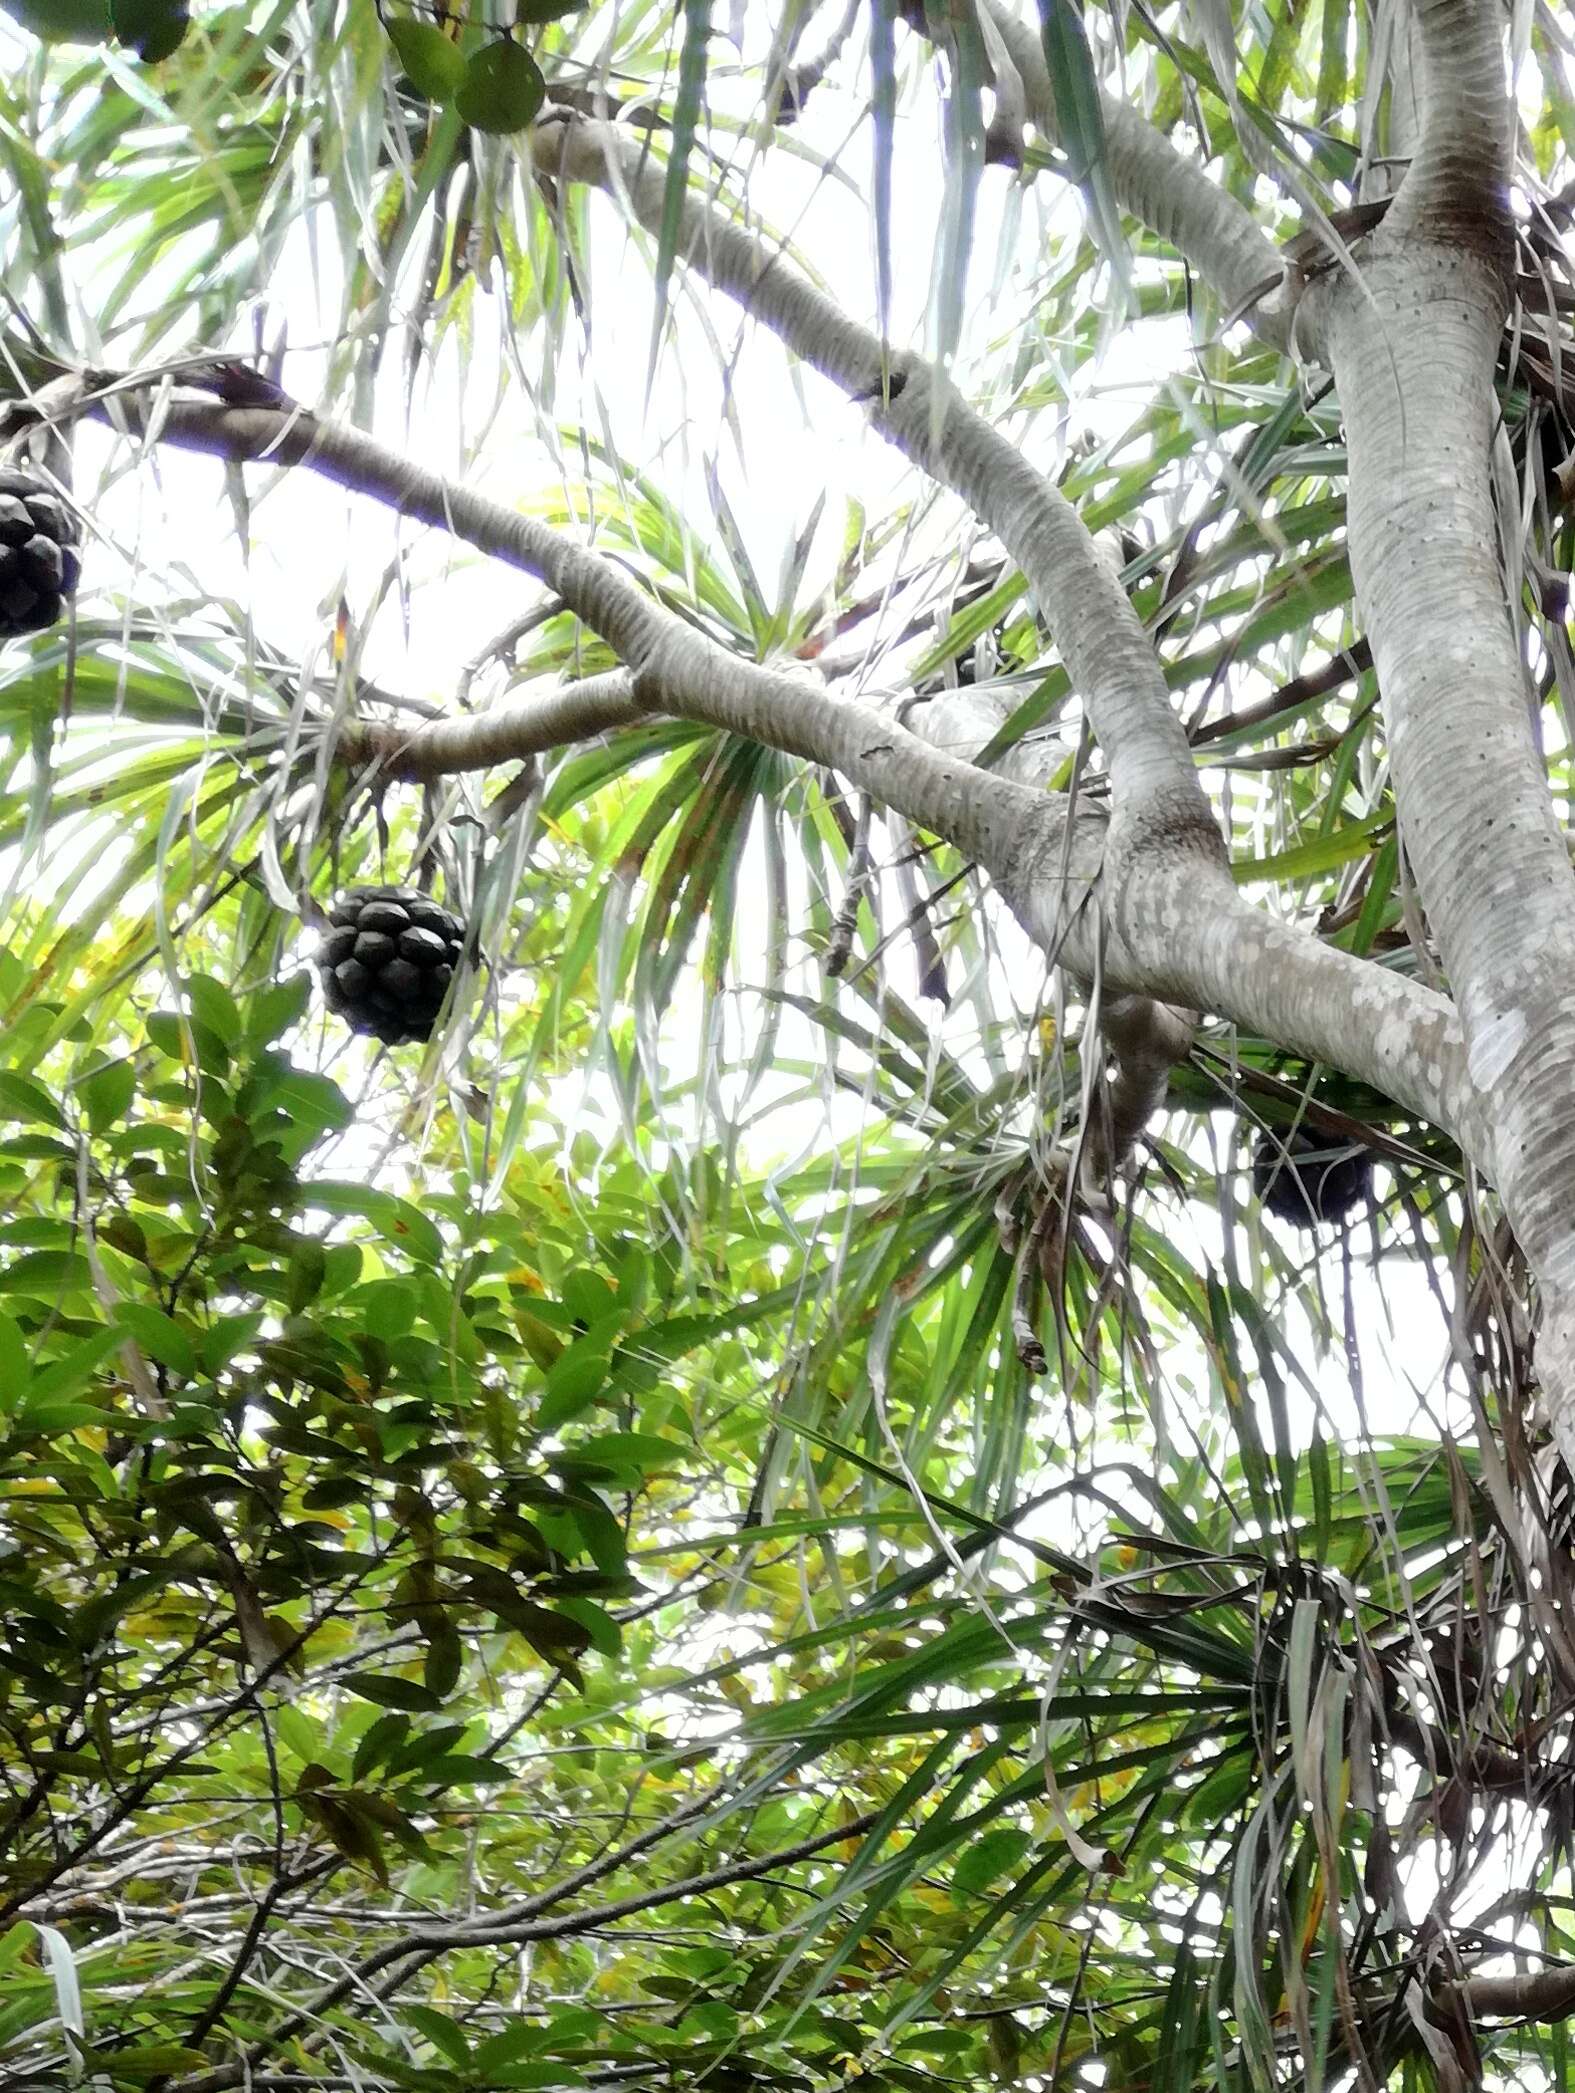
[[1161, 920]]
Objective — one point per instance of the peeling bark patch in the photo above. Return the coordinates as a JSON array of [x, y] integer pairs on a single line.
[[1494, 1047]]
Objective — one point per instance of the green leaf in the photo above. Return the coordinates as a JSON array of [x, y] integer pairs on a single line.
[[1355, 839], [588, 1297], [297, 1732], [602, 1632], [276, 1009], [227, 1336], [397, 1220], [445, 1660], [159, 1335], [46, 1274], [381, 1741], [308, 1265], [441, 2032], [47, 1420], [547, 10], [987, 1858], [461, 1770], [575, 1381], [387, 1308], [21, 1098], [313, 1101], [433, 63], [386, 1690], [65, 1376], [213, 1005], [146, 2061], [508, 2045], [633, 1455], [1080, 120], [169, 1034], [105, 1093], [15, 1370], [502, 90], [693, 57]]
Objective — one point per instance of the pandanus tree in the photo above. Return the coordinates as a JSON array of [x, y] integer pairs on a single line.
[[906, 1420]]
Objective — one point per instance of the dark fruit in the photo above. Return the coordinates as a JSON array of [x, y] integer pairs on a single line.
[[387, 961], [39, 563], [1306, 1177]]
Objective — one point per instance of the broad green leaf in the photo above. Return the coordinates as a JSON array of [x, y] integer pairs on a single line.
[[572, 1383], [502, 88], [105, 1093], [212, 1005], [15, 1370], [278, 1007], [433, 63], [46, 1274], [159, 1335], [21, 1098], [986, 1859], [390, 1691]]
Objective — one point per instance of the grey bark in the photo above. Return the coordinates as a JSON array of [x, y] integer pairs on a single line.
[[1412, 345], [1201, 220]]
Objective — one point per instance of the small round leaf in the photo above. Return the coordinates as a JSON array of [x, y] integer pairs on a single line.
[[503, 89], [433, 66]]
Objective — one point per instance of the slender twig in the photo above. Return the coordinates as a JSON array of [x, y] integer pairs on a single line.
[[429, 1943]]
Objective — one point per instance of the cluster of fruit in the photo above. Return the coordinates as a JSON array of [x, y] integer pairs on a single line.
[[39, 563], [387, 961]]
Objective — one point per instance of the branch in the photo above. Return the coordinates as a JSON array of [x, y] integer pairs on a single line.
[[1175, 931], [1413, 344], [1544, 1994], [503, 734], [1171, 194], [1107, 653], [673, 668], [510, 1930], [1172, 927], [1162, 920], [1457, 186]]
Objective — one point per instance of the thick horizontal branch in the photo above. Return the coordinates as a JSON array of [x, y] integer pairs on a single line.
[[547, 719], [1543, 1994]]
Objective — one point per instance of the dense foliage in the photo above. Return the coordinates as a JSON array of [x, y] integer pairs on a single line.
[[645, 1541]]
